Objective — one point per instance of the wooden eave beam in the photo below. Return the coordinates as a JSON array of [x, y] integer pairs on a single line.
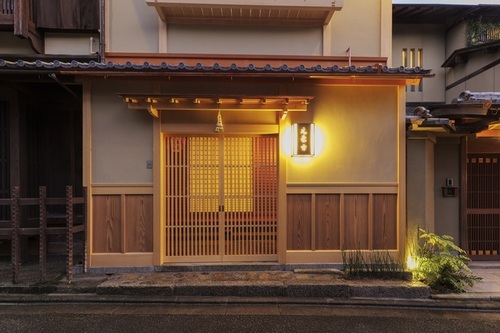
[[154, 104], [21, 18], [278, 4]]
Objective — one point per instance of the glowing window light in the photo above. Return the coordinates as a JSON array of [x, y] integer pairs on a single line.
[[303, 139]]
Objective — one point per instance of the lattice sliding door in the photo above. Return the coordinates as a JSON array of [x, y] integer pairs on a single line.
[[483, 205], [221, 198], [250, 198]]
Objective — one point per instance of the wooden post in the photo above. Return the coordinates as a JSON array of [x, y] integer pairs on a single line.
[[84, 222], [69, 234], [15, 252], [43, 230], [21, 18]]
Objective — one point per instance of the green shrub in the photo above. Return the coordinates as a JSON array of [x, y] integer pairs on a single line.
[[441, 264]]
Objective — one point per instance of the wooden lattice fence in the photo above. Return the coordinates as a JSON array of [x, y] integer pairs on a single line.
[[16, 227]]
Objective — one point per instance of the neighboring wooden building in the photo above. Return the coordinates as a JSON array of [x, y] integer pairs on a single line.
[[41, 111], [188, 123], [460, 43]]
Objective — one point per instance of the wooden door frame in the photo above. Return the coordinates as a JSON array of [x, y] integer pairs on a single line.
[[231, 257], [480, 146], [162, 128]]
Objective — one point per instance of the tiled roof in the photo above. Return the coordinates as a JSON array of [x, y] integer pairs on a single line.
[[146, 67]]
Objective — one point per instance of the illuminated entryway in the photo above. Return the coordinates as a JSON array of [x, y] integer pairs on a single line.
[[221, 198]]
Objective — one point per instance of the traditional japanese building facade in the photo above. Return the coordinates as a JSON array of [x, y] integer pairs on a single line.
[[240, 131]]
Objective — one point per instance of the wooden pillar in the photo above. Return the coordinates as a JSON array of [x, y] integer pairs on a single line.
[[42, 250], [16, 127], [15, 252], [69, 233], [420, 183]]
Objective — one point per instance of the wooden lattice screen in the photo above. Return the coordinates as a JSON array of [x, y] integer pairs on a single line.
[[483, 204], [221, 198]]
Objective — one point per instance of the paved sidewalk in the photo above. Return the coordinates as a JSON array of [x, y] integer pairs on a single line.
[[488, 289], [250, 284]]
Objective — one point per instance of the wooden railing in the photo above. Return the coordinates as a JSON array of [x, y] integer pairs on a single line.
[[20, 15], [486, 35], [6, 12], [14, 229], [7, 7], [481, 30]]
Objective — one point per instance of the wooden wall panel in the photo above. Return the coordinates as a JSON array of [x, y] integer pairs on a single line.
[[356, 221], [139, 223], [328, 222], [342, 218], [106, 224], [299, 222], [384, 222], [67, 14]]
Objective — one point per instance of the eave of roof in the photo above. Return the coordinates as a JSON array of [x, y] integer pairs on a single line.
[[426, 13], [93, 68], [247, 12], [461, 55]]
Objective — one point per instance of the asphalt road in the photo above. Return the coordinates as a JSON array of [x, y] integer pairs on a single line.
[[150, 318]]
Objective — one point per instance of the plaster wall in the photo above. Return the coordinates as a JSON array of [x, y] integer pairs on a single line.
[[352, 147], [429, 38], [131, 26], [446, 165], [74, 44], [358, 26], [244, 40], [488, 80], [455, 38], [353, 150], [10, 44], [452, 76], [122, 139]]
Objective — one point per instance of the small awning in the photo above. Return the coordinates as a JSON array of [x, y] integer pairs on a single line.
[[470, 113], [248, 12], [169, 102]]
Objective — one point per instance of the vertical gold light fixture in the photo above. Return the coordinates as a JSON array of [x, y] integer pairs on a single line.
[[303, 139]]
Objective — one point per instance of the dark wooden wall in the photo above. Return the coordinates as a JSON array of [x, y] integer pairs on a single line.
[[4, 150], [67, 14]]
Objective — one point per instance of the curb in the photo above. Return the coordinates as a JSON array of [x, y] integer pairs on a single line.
[[429, 303], [266, 289]]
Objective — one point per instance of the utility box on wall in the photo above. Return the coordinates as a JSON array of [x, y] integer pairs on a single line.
[[449, 190]]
